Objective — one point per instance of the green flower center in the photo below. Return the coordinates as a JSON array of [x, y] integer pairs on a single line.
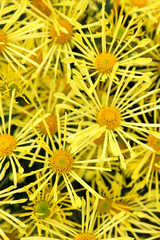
[[42, 210], [104, 205]]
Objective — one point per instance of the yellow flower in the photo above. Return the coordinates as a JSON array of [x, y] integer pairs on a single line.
[[110, 113], [44, 208], [138, 207], [63, 164], [109, 60], [60, 30]]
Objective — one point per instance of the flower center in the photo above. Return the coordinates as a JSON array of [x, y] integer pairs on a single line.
[[7, 145], [3, 40], [110, 117], [11, 87], [85, 236], [99, 140], [104, 205], [104, 62], [61, 36], [154, 143], [41, 7], [51, 121], [61, 161], [139, 3], [42, 210]]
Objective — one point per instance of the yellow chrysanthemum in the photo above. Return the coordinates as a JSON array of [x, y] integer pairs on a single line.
[[64, 164], [131, 202], [109, 60], [58, 32], [44, 207], [110, 113]]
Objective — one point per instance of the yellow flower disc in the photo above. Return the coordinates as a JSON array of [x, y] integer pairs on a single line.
[[41, 7], [104, 205], [42, 210], [139, 3], [110, 117], [104, 62], [154, 143], [7, 145], [52, 124], [85, 236], [3, 40], [62, 37], [61, 161]]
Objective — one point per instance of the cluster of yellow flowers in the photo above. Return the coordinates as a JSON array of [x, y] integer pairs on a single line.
[[79, 120]]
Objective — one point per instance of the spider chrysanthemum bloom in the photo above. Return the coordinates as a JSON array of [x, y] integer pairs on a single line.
[[109, 59], [111, 114], [117, 199], [11, 49], [62, 163], [44, 208], [60, 29], [88, 230], [14, 144]]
